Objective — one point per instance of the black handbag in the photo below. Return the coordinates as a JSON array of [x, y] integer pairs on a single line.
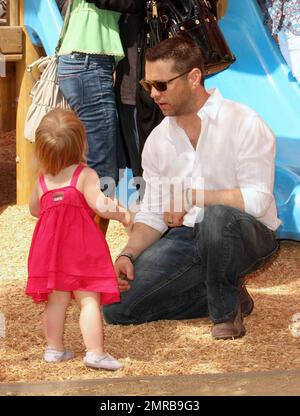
[[195, 18]]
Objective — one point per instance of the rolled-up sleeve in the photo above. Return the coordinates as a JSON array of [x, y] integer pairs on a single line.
[[256, 203], [255, 166], [151, 212]]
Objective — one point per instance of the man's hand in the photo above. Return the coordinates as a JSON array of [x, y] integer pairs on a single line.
[[125, 273], [173, 217], [141, 237]]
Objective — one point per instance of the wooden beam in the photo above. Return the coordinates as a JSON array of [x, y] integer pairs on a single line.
[[11, 40], [13, 57], [14, 12], [25, 170]]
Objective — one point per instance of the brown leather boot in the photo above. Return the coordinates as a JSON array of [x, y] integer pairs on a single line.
[[231, 329], [247, 303]]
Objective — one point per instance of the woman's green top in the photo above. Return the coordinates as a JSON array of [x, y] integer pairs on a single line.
[[92, 30]]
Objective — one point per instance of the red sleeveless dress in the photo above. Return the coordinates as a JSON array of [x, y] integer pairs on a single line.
[[68, 250]]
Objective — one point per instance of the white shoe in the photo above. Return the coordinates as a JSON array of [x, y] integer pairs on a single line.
[[105, 361], [52, 356]]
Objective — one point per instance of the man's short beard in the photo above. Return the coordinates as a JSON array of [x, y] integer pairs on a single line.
[[179, 112]]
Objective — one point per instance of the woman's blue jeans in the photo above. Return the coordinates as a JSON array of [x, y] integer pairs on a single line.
[[194, 272], [87, 84]]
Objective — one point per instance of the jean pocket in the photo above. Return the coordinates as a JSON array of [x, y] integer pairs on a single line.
[[72, 88]]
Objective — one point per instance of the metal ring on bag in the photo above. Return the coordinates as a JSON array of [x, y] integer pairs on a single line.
[[164, 18]]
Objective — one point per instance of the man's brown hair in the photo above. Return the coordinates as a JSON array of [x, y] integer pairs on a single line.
[[184, 52]]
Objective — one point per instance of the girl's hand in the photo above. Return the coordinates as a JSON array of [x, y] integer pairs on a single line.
[[127, 219]]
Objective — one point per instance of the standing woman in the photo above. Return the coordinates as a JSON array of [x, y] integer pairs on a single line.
[[283, 17], [88, 54], [131, 26]]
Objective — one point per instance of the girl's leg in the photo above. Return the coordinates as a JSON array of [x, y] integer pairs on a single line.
[[90, 321], [91, 326], [54, 319]]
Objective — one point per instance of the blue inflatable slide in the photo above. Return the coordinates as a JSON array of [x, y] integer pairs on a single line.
[[259, 78]]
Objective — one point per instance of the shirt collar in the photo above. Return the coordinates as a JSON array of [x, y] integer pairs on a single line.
[[209, 109], [212, 105]]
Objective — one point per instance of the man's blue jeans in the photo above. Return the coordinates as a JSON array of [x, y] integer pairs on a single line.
[[194, 272], [86, 82]]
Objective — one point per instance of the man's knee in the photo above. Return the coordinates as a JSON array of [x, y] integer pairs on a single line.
[[115, 314], [219, 213], [215, 219], [123, 313]]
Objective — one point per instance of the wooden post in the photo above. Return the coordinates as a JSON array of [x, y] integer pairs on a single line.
[[25, 174], [13, 13]]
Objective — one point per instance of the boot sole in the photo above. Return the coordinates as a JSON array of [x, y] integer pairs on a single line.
[[241, 334]]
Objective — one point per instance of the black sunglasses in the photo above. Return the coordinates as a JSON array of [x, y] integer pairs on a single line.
[[159, 85]]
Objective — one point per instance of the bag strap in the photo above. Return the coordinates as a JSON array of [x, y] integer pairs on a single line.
[[30, 67], [64, 27], [186, 13], [205, 6], [37, 63]]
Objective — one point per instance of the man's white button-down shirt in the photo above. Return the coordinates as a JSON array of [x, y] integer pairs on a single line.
[[236, 149]]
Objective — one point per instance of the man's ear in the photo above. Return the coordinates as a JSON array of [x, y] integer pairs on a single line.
[[195, 77]]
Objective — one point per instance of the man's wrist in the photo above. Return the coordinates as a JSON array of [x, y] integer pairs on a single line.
[[126, 254], [197, 197]]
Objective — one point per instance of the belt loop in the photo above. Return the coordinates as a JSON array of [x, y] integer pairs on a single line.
[[86, 61]]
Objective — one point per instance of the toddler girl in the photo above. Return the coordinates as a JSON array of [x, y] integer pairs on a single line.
[[69, 256]]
